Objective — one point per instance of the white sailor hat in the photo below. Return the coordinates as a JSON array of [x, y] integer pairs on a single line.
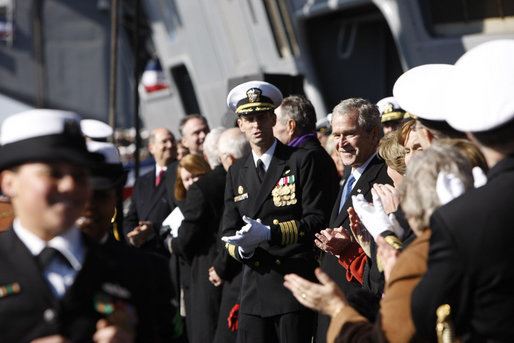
[[420, 91], [390, 109], [109, 173], [43, 135], [95, 129], [480, 91], [253, 97]]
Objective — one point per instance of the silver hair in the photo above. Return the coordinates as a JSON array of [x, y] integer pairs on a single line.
[[235, 144], [369, 116], [418, 194], [210, 147], [301, 110]]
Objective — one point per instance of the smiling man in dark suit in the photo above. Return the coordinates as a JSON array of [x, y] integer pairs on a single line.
[[356, 128], [273, 207], [149, 205]]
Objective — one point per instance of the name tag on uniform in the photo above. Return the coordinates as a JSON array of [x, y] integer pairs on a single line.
[[241, 197]]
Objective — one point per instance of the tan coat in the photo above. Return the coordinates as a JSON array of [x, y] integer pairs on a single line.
[[394, 323]]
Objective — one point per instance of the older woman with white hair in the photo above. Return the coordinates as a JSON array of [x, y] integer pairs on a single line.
[[441, 168]]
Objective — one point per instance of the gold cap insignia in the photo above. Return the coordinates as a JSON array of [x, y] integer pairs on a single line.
[[240, 190], [254, 94]]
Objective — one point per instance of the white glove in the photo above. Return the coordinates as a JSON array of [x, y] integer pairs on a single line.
[[174, 231], [374, 217], [448, 187], [479, 177], [250, 235]]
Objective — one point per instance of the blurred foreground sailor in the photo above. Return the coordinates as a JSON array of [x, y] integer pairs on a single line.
[[273, 207], [469, 262], [54, 281]]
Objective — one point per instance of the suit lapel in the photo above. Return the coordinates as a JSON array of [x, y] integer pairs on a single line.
[[274, 172], [362, 186], [152, 194], [335, 209], [21, 256], [250, 179]]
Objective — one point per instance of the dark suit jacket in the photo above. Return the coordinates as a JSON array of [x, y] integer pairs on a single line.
[[171, 177], [197, 245], [294, 215], [148, 203], [325, 165], [469, 263], [366, 302], [109, 276]]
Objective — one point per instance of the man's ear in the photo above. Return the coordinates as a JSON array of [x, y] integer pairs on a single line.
[[291, 126], [239, 123], [183, 141], [7, 178], [273, 117], [375, 132]]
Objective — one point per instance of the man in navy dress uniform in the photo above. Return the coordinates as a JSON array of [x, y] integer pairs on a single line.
[[273, 207]]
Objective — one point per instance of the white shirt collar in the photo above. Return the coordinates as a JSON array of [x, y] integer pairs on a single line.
[[158, 169], [266, 157], [358, 172], [70, 243]]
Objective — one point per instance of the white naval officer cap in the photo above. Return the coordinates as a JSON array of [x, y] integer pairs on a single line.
[[420, 91], [95, 129], [390, 109], [481, 88], [43, 135], [253, 97]]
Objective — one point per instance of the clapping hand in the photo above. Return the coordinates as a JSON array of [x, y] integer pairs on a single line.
[[250, 235], [333, 241], [374, 217]]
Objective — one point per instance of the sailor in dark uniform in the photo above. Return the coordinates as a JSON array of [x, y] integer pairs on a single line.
[[469, 262], [273, 207], [54, 281]]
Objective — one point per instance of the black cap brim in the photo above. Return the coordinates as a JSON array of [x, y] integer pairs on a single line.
[[47, 149]]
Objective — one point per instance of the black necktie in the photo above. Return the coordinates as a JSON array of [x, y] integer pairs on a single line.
[[47, 254], [260, 170]]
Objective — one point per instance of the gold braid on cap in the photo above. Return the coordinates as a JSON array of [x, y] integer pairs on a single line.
[[255, 107]]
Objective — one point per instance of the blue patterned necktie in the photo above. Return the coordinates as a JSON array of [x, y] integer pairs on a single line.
[[347, 190]]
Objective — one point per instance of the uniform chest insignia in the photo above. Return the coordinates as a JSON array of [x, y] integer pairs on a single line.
[[240, 190], [241, 197], [284, 192], [286, 172], [116, 290], [12, 288], [103, 303], [117, 311]]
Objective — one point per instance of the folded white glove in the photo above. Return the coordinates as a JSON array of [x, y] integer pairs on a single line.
[[448, 187], [250, 235], [479, 177], [374, 218]]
